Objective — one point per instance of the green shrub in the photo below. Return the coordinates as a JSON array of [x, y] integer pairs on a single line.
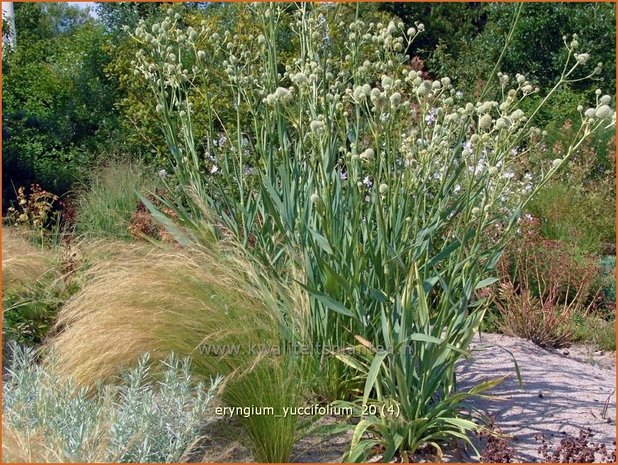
[[575, 216], [139, 420], [105, 206], [578, 206], [592, 329], [537, 44], [58, 106]]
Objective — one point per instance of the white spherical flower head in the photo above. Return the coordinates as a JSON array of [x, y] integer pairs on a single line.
[[582, 58], [485, 121], [556, 163], [476, 211], [424, 88], [501, 123], [383, 188], [283, 95], [315, 198], [590, 113], [316, 126], [395, 99], [605, 100], [359, 94], [159, 108], [367, 154], [493, 170], [604, 112], [517, 115]]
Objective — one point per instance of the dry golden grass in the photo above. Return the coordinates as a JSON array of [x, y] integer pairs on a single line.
[[23, 263], [25, 447], [160, 300]]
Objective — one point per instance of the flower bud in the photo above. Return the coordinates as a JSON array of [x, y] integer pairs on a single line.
[[604, 112], [484, 121], [582, 58], [383, 188]]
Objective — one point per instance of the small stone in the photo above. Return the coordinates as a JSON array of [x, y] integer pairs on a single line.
[[565, 352], [540, 395]]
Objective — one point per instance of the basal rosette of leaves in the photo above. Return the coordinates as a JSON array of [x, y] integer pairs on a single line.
[[392, 195]]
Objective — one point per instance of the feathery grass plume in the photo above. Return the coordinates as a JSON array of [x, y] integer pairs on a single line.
[[32, 287], [26, 446], [23, 263], [105, 207], [209, 304]]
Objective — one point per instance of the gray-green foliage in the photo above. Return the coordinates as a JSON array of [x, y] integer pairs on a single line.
[[145, 418]]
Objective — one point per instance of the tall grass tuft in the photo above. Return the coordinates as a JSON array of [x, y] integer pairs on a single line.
[[202, 303], [33, 287], [106, 204], [23, 263]]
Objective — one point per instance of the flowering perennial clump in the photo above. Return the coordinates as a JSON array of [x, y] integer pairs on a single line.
[[389, 193]]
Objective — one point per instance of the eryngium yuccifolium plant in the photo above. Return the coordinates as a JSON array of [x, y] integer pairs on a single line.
[[142, 419], [391, 193]]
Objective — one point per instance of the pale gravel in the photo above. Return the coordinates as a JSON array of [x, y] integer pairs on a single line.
[[563, 390]]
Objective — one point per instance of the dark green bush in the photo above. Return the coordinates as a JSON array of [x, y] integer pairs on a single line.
[[468, 54], [58, 106]]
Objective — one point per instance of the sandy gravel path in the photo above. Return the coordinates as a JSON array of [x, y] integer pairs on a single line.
[[563, 390]]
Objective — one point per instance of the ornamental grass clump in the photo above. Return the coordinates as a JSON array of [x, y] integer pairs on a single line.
[[387, 192], [23, 263], [105, 206], [33, 286], [204, 303]]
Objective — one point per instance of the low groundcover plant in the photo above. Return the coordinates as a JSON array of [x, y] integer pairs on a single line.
[[144, 418]]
